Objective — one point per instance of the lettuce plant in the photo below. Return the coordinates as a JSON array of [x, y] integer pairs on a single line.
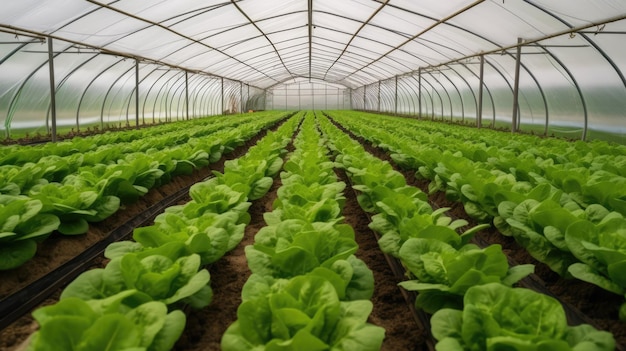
[[303, 313], [497, 317], [155, 277], [444, 274], [601, 248], [210, 236], [522, 221], [22, 225], [100, 325], [75, 206], [295, 247]]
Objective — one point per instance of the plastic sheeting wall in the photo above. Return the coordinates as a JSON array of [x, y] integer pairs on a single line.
[[554, 98], [98, 91], [307, 95]]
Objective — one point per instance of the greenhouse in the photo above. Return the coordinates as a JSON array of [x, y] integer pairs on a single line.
[[312, 175]]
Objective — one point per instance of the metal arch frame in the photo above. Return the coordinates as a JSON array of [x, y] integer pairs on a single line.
[[263, 33], [130, 95], [230, 92], [116, 93], [352, 19], [440, 21], [447, 64], [444, 22], [385, 96], [460, 98], [408, 103], [62, 81], [156, 99], [537, 40], [371, 96], [534, 78], [172, 95], [203, 110], [94, 10], [197, 88], [18, 91], [429, 73], [578, 89], [145, 101], [471, 90], [102, 51], [403, 84], [154, 24], [107, 94], [485, 86], [200, 89], [406, 84], [146, 96], [449, 97], [587, 38], [430, 94], [122, 99], [175, 93], [16, 50], [322, 27], [219, 99], [82, 97], [353, 98], [363, 24]]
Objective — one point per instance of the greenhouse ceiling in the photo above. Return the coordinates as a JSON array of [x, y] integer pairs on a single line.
[[546, 65], [349, 42]]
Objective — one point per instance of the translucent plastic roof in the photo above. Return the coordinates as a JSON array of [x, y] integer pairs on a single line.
[[349, 42]]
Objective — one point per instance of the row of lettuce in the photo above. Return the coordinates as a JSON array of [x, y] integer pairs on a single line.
[[65, 186], [467, 289], [564, 202], [307, 290], [135, 302]]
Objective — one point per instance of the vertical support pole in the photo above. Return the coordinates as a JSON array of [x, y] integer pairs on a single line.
[[299, 95], [518, 59], [187, 94], [248, 96], [264, 100], [222, 79], [419, 92], [350, 99], [378, 96], [326, 97], [396, 98], [479, 121], [241, 95], [364, 100], [53, 105], [137, 94]]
